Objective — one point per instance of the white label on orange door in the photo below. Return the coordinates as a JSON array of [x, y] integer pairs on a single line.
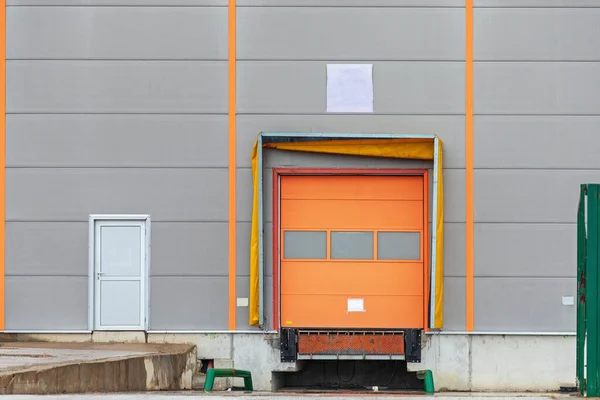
[[356, 305]]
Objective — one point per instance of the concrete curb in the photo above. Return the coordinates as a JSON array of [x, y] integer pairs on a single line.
[[146, 372]]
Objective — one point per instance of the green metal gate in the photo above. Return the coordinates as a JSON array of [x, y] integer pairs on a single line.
[[588, 283]]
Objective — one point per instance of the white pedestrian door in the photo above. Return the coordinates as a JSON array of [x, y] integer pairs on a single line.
[[120, 275]]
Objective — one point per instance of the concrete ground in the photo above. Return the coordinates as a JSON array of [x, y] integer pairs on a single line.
[[270, 396], [21, 356], [32, 368]]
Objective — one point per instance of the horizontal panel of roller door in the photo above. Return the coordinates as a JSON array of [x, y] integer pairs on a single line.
[[352, 214], [331, 311], [351, 278], [352, 187]]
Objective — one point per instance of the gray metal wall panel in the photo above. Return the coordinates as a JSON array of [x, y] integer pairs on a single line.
[[426, 87], [454, 249], [401, 34], [536, 142], [189, 249], [536, 3], [450, 129], [243, 290], [355, 3], [241, 3], [245, 194], [454, 195], [536, 88], [116, 33], [129, 3], [46, 249], [524, 304], [454, 304], [544, 196], [81, 140], [188, 303], [536, 34], [525, 250], [243, 248], [116, 87], [72, 194], [46, 303]]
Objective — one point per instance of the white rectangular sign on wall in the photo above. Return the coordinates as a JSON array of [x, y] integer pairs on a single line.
[[356, 305], [350, 88]]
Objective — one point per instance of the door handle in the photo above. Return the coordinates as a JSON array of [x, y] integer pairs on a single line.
[[99, 274]]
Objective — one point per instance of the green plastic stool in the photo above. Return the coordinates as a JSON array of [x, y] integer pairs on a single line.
[[213, 373], [427, 376]]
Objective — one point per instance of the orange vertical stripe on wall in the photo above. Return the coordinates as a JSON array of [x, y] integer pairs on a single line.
[[232, 162], [470, 309], [2, 152]]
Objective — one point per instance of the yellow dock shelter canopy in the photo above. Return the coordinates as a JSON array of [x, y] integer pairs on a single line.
[[399, 146]]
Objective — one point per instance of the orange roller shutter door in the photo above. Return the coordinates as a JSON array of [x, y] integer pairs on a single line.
[[352, 253]]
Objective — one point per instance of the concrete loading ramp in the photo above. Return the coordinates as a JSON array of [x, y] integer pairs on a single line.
[[51, 368]]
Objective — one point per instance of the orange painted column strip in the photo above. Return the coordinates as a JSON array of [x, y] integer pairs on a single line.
[[425, 247], [469, 167], [232, 161]]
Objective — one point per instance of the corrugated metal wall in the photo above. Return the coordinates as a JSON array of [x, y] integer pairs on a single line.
[[120, 106]]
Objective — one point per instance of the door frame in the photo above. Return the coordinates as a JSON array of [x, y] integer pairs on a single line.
[[145, 276], [276, 271]]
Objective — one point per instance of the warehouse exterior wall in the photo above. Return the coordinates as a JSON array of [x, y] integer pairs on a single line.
[[536, 106], [115, 109], [118, 106]]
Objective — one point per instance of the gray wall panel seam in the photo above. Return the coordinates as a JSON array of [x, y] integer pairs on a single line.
[[523, 276], [330, 60], [533, 169], [238, 114], [50, 167], [111, 113], [365, 114], [290, 6], [534, 61], [348, 114], [224, 6], [45, 275], [87, 221], [333, 60], [119, 167], [444, 169], [187, 275], [91, 59], [354, 6], [523, 222], [108, 6], [536, 8], [154, 221], [534, 115]]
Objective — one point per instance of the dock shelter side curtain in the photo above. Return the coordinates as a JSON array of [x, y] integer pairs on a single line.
[[405, 148]]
